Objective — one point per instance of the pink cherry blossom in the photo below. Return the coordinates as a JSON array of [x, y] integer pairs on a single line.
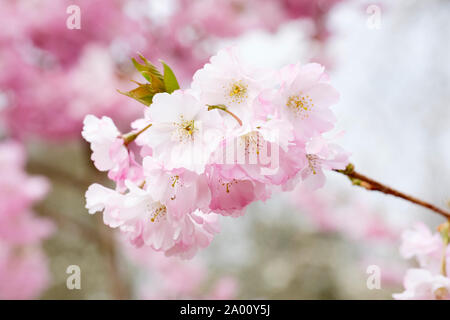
[[183, 133], [426, 247], [23, 267], [421, 284], [24, 228], [230, 197], [18, 191], [304, 98], [108, 150], [320, 154], [24, 272], [227, 81], [420, 242], [161, 223]]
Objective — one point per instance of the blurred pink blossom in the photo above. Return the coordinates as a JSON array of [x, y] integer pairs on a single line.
[[173, 278], [23, 266], [24, 272]]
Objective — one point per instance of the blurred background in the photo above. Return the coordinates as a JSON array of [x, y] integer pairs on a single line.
[[388, 59]]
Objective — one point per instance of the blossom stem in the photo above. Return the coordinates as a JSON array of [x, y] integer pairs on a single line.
[[131, 136], [224, 108], [372, 185]]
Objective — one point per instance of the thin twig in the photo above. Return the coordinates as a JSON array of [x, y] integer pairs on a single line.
[[372, 185]]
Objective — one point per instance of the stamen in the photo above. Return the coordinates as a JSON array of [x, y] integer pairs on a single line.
[[252, 142], [237, 92], [174, 180], [227, 185], [313, 162], [185, 130], [158, 213], [300, 105]]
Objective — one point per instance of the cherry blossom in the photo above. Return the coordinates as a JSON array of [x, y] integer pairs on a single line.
[[304, 98], [161, 223], [23, 266], [212, 149], [227, 81], [421, 284], [421, 243], [431, 281], [183, 132], [24, 272]]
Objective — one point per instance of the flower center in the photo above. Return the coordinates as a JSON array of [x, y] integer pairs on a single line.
[[158, 212], [300, 105], [228, 184], [185, 130], [174, 180], [251, 142], [313, 162], [237, 92]]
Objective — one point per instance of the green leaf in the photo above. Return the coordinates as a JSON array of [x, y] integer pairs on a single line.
[[143, 93], [150, 73], [170, 81], [156, 81]]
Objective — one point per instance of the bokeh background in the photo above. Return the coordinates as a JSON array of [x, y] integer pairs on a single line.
[[388, 59]]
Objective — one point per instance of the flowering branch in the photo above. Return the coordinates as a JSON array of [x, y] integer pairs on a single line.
[[372, 185]]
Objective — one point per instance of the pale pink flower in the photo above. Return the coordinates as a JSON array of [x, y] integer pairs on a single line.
[[182, 191], [320, 155], [426, 247], [230, 196], [154, 222], [108, 149], [17, 189], [24, 228], [24, 272], [420, 242], [421, 284], [304, 99], [109, 152], [261, 151], [227, 81], [183, 132]]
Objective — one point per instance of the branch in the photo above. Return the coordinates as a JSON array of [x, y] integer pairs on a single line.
[[372, 185]]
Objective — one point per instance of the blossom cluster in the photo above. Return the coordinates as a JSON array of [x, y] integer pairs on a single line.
[[23, 266], [431, 280], [236, 136]]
